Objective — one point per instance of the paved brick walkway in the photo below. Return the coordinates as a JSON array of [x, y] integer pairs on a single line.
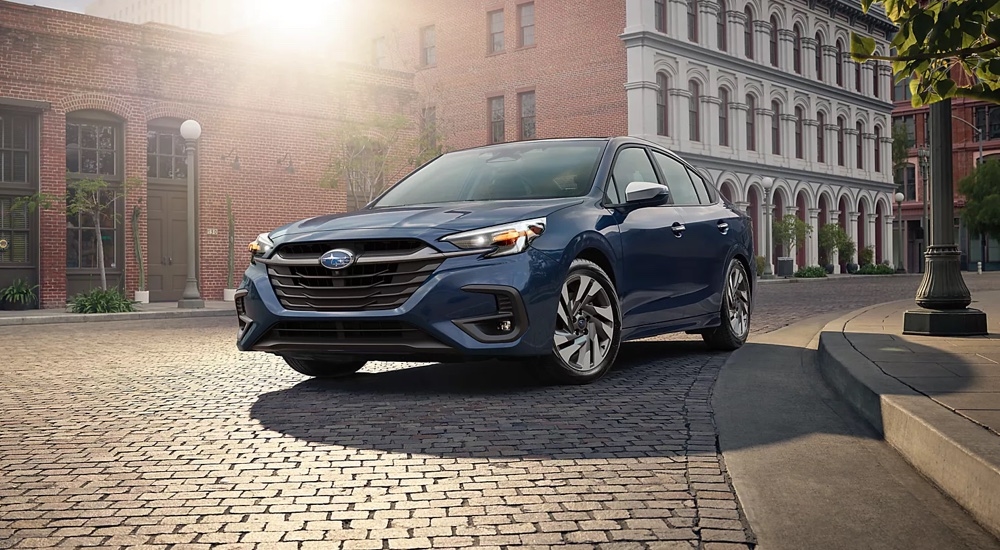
[[159, 434]]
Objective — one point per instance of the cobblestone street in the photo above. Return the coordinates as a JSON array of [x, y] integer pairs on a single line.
[[160, 434]]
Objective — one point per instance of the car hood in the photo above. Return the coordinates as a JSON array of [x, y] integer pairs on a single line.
[[456, 216]]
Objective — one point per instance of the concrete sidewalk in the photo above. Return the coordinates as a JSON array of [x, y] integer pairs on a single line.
[[935, 400], [160, 310]]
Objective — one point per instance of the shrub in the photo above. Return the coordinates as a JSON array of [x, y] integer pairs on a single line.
[[872, 269], [760, 265], [101, 301], [811, 272], [866, 256], [18, 293]]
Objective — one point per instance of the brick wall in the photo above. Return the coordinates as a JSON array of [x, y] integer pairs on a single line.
[[249, 100]]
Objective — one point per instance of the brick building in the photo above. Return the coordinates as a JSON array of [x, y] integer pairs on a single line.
[[83, 97]]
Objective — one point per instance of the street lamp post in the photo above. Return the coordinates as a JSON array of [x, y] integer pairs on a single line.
[[943, 297], [768, 214], [899, 239], [191, 131], [924, 155]]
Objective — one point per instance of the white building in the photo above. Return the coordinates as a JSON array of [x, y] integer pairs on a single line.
[[214, 16], [755, 91]]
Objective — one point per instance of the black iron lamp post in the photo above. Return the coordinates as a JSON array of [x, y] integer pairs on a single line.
[[899, 239]]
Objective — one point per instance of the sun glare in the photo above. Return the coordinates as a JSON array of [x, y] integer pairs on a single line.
[[298, 23]]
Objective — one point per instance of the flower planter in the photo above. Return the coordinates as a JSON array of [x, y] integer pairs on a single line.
[[229, 294], [142, 296]]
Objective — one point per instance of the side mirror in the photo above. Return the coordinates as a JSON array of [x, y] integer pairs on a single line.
[[644, 191]]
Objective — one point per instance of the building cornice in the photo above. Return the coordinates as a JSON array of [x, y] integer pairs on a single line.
[[670, 45]]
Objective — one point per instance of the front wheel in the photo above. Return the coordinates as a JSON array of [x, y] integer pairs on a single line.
[[588, 326], [734, 327], [324, 369]]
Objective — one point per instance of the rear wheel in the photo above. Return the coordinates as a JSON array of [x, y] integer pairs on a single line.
[[588, 326], [324, 369], [734, 327]]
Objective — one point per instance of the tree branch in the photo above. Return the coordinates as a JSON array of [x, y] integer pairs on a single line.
[[926, 56]]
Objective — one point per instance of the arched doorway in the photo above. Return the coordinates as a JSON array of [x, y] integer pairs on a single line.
[[779, 212], [754, 211], [726, 190], [864, 239], [843, 207], [880, 252], [800, 212], [824, 219]]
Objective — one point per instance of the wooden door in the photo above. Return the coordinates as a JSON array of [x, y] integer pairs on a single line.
[[166, 238]]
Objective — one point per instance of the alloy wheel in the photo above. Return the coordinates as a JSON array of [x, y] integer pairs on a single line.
[[585, 323], [738, 302]]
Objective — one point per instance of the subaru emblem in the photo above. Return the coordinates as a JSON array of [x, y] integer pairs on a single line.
[[339, 258]]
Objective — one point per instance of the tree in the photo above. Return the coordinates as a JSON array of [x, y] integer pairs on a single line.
[[938, 41], [790, 230], [829, 238], [981, 189]]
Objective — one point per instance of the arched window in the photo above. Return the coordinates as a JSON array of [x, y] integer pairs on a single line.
[[748, 32], [751, 125], [724, 117], [662, 126], [774, 41], [692, 6], [819, 57], [820, 137], [875, 79], [878, 149], [722, 26], [775, 127], [694, 111], [860, 149], [660, 15], [798, 132], [797, 49], [857, 77], [840, 140], [840, 63]]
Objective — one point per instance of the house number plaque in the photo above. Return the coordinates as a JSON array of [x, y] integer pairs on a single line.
[[4, 244]]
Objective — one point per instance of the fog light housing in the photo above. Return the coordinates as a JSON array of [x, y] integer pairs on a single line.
[[506, 324]]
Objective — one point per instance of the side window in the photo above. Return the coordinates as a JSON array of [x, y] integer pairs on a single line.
[[678, 180], [631, 165], [706, 191]]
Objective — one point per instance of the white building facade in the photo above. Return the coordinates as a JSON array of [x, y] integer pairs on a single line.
[[213, 16], [763, 97]]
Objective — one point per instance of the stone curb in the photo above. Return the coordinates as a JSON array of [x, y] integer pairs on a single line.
[[959, 456], [836, 278], [62, 318]]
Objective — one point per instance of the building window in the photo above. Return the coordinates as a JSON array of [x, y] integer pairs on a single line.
[[840, 63], [692, 7], [860, 148], [878, 149], [165, 155], [526, 24], [820, 137], [724, 117], [428, 49], [495, 19], [774, 41], [497, 131], [857, 77], [15, 231], [775, 127], [819, 57], [660, 15], [91, 148], [797, 49], [798, 133], [751, 123], [909, 123], [17, 147], [875, 79], [925, 118], [906, 177], [722, 26], [662, 122], [901, 91], [379, 52], [694, 111], [840, 140], [748, 33], [988, 122], [93, 151], [526, 101]]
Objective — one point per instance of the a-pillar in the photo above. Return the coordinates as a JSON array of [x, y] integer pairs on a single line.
[[793, 249], [834, 218], [852, 231], [888, 240], [812, 243]]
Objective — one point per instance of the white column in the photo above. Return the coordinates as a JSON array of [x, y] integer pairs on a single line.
[[786, 40], [830, 145], [852, 230], [793, 249], [888, 240], [870, 232], [742, 206], [812, 238], [867, 89], [710, 120], [850, 75], [735, 23], [868, 140], [851, 138], [809, 129], [788, 135], [707, 22], [679, 127], [762, 36], [808, 55], [830, 63], [764, 134], [886, 156], [835, 255], [768, 231], [677, 19], [738, 126]]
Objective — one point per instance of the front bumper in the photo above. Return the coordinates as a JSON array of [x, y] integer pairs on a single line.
[[461, 311]]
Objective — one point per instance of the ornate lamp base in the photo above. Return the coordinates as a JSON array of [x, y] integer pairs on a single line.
[[953, 322], [944, 299]]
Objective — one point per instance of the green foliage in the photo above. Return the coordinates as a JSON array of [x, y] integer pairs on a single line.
[[901, 144], [137, 246], [760, 261], [845, 247], [811, 272], [866, 256], [231, 263], [981, 189], [19, 293], [790, 230], [828, 238], [101, 301], [933, 38], [875, 269]]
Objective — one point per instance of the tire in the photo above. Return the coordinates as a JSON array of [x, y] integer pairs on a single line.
[[737, 303], [324, 369], [587, 332]]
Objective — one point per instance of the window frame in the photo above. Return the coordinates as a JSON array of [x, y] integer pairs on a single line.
[[490, 122], [692, 21], [839, 69], [797, 49], [775, 127], [521, 27], [799, 133], [491, 33], [171, 126], [773, 41], [521, 116], [841, 151], [819, 57], [724, 116], [694, 108], [722, 27], [689, 169], [859, 149], [751, 126], [821, 138], [609, 182], [748, 49], [660, 15], [428, 53], [663, 109], [878, 149]]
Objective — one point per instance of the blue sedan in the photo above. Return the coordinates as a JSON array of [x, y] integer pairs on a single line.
[[549, 251]]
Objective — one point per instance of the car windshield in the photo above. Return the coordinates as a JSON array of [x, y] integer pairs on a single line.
[[515, 171]]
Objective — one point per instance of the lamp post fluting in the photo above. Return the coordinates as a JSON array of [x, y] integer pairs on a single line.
[[191, 299]]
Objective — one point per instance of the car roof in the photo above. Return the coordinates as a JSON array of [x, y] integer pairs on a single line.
[[616, 140]]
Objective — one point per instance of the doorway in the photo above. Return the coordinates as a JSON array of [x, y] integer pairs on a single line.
[[166, 241]]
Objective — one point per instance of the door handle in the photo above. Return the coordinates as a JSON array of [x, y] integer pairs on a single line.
[[723, 227], [678, 229], [170, 261]]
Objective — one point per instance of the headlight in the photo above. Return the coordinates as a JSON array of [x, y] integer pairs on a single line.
[[260, 246], [510, 238]]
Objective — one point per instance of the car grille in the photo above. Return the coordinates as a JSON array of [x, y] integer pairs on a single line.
[[363, 286]]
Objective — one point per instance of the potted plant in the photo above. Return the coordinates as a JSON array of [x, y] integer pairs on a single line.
[[847, 248], [229, 293], [788, 231], [141, 295], [828, 238], [18, 296]]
